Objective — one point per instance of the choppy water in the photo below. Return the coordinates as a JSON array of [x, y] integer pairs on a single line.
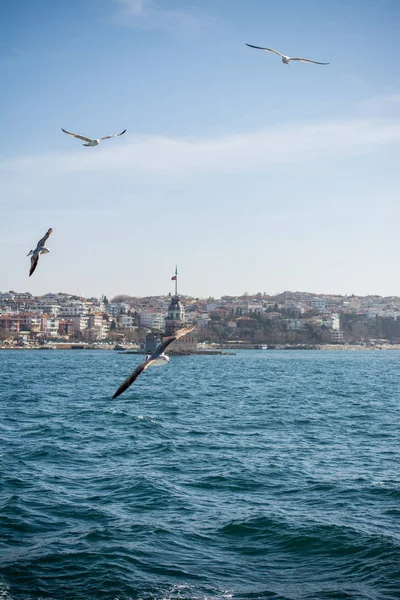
[[265, 475]]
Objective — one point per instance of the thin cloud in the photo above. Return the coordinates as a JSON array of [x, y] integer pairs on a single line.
[[148, 14], [381, 105], [249, 152]]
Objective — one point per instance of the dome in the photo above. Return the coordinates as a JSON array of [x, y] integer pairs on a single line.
[[176, 305]]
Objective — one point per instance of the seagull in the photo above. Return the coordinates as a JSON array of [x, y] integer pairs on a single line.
[[40, 249], [91, 142], [286, 59], [156, 359]]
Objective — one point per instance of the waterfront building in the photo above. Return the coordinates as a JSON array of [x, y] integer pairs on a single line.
[[79, 322], [336, 335], [95, 320], [176, 319], [66, 328], [152, 341], [30, 321], [9, 323], [50, 325]]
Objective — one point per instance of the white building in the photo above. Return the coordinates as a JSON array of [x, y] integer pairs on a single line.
[[127, 321], [50, 309], [334, 322], [294, 324], [318, 304], [152, 320], [50, 325], [251, 307], [80, 322], [73, 310], [374, 312]]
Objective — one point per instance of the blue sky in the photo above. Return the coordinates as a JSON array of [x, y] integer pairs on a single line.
[[250, 174]]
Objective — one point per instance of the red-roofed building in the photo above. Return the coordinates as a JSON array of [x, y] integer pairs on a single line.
[[243, 323], [66, 328], [29, 321]]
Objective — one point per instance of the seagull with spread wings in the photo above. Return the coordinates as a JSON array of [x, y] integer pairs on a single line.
[[157, 358], [90, 141], [40, 249], [286, 59]]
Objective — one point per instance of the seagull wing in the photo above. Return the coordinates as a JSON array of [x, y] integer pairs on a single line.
[[76, 135], [34, 262], [143, 366], [306, 60], [178, 334], [107, 137], [129, 380], [44, 239], [266, 49]]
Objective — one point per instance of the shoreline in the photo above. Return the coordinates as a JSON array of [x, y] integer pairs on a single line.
[[222, 350]]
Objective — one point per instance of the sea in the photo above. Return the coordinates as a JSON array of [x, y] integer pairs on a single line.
[[270, 474]]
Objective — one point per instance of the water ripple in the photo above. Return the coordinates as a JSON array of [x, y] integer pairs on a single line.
[[264, 475]]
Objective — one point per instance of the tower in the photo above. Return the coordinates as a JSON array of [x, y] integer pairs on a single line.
[[176, 313], [176, 316], [176, 319]]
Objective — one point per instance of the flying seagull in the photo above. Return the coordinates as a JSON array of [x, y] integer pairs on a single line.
[[91, 142], [156, 359], [286, 59], [40, 249]]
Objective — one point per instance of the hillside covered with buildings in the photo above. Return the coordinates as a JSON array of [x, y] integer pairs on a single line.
[[292, 318]]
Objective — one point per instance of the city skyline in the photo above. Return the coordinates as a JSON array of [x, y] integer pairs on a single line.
[[291, 317], [238, 168], [188, 296], [170, 291]]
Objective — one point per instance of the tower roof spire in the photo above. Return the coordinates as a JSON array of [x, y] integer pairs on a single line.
[[175, 278]]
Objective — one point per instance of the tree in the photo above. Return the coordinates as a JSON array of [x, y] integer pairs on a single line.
[[122, 298]]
